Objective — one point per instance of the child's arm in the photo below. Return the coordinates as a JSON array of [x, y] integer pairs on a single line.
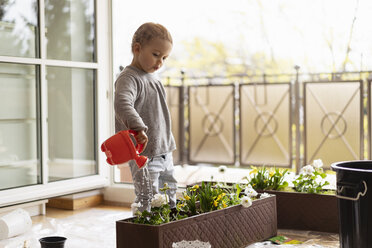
[[126, 91]]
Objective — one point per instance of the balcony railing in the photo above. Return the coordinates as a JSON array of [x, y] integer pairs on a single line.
[[283, 120]]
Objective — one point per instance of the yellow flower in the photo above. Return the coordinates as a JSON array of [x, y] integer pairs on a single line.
[[271, 173], [215, 203], [253, 171], [224, 204], [186, 197], [195, 187]]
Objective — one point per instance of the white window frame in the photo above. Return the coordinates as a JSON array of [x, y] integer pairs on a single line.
[[103, 68]]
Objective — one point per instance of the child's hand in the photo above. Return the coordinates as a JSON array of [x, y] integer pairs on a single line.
[[141, 138]]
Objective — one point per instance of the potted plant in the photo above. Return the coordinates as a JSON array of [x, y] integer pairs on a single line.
[[306, 205], [223, 217]]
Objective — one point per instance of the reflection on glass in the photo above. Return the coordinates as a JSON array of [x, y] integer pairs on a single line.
[[70, 30], [19, 158], [71, 136], [122, 174], [18, 28]]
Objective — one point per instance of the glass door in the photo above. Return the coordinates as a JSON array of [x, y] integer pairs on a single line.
[[51, 99]]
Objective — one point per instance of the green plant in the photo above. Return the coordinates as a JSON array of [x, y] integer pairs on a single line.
[[190, 198], [160, 210], [311, 178], [233, 196], [210, 198], [196, 200], [267, 179]]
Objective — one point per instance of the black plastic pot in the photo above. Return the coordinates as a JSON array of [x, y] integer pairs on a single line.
[[354, 193], [53, 242]]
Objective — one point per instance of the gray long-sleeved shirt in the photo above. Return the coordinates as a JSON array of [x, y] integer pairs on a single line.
[[140, 104]]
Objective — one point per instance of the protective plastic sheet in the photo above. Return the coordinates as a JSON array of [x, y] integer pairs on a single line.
[[270, 245], [93, 228], [96, 228], [310, 239], [14, 223]]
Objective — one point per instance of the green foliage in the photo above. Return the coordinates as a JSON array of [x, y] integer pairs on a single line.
[[157, 216], [233, 198], [211, 198], [203, 57], [267, 179], [311, 182], [190, 199], [196, 200]]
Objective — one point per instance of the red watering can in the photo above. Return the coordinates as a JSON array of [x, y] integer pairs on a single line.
[[119, 149]]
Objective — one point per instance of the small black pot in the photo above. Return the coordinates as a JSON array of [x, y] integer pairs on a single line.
[[53, 242]]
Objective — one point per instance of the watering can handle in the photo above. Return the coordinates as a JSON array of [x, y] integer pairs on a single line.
[[139, 147], [352, 198]]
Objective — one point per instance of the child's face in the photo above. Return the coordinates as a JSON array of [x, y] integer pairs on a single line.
[[151, 56]]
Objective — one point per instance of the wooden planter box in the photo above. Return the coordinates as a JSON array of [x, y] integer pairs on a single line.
[[232, 227], [302, 211]]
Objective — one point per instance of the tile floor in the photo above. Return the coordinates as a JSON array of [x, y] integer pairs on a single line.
[[95, 228]]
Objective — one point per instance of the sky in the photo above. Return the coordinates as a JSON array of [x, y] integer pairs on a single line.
[[299, 30]]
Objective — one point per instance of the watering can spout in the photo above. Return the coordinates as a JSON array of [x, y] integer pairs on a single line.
[[119, 149], [141, 161]]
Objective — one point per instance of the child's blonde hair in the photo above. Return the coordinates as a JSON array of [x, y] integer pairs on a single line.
[[148, 31]]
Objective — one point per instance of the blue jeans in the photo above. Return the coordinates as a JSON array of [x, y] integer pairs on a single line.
[[148, 182]]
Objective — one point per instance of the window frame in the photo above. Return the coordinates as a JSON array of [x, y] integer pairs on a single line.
[[103, 112]]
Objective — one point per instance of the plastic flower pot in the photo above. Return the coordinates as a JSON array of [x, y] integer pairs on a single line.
[[304, 211], [234, 226], [354, 193], [52, 242]]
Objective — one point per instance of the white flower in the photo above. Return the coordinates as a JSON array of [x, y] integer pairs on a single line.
[[307, 170], [222, 169], [135, 207], [246, 201], [264, 195], [158, 200], [319, 180], [318, 163], [249, 191]]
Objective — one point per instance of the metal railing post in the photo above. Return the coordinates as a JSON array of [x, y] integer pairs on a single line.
[[296, 116], [182, 120]]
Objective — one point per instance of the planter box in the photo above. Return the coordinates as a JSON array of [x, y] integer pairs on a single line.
[[232, 227], [302, 211]]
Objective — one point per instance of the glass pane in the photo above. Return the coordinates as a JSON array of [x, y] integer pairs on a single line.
[[265, 124], [71, 136], [173, 101], [211, 110], [70, 30], [18, 28], [122, 173], [333, 122], [19, 159]]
